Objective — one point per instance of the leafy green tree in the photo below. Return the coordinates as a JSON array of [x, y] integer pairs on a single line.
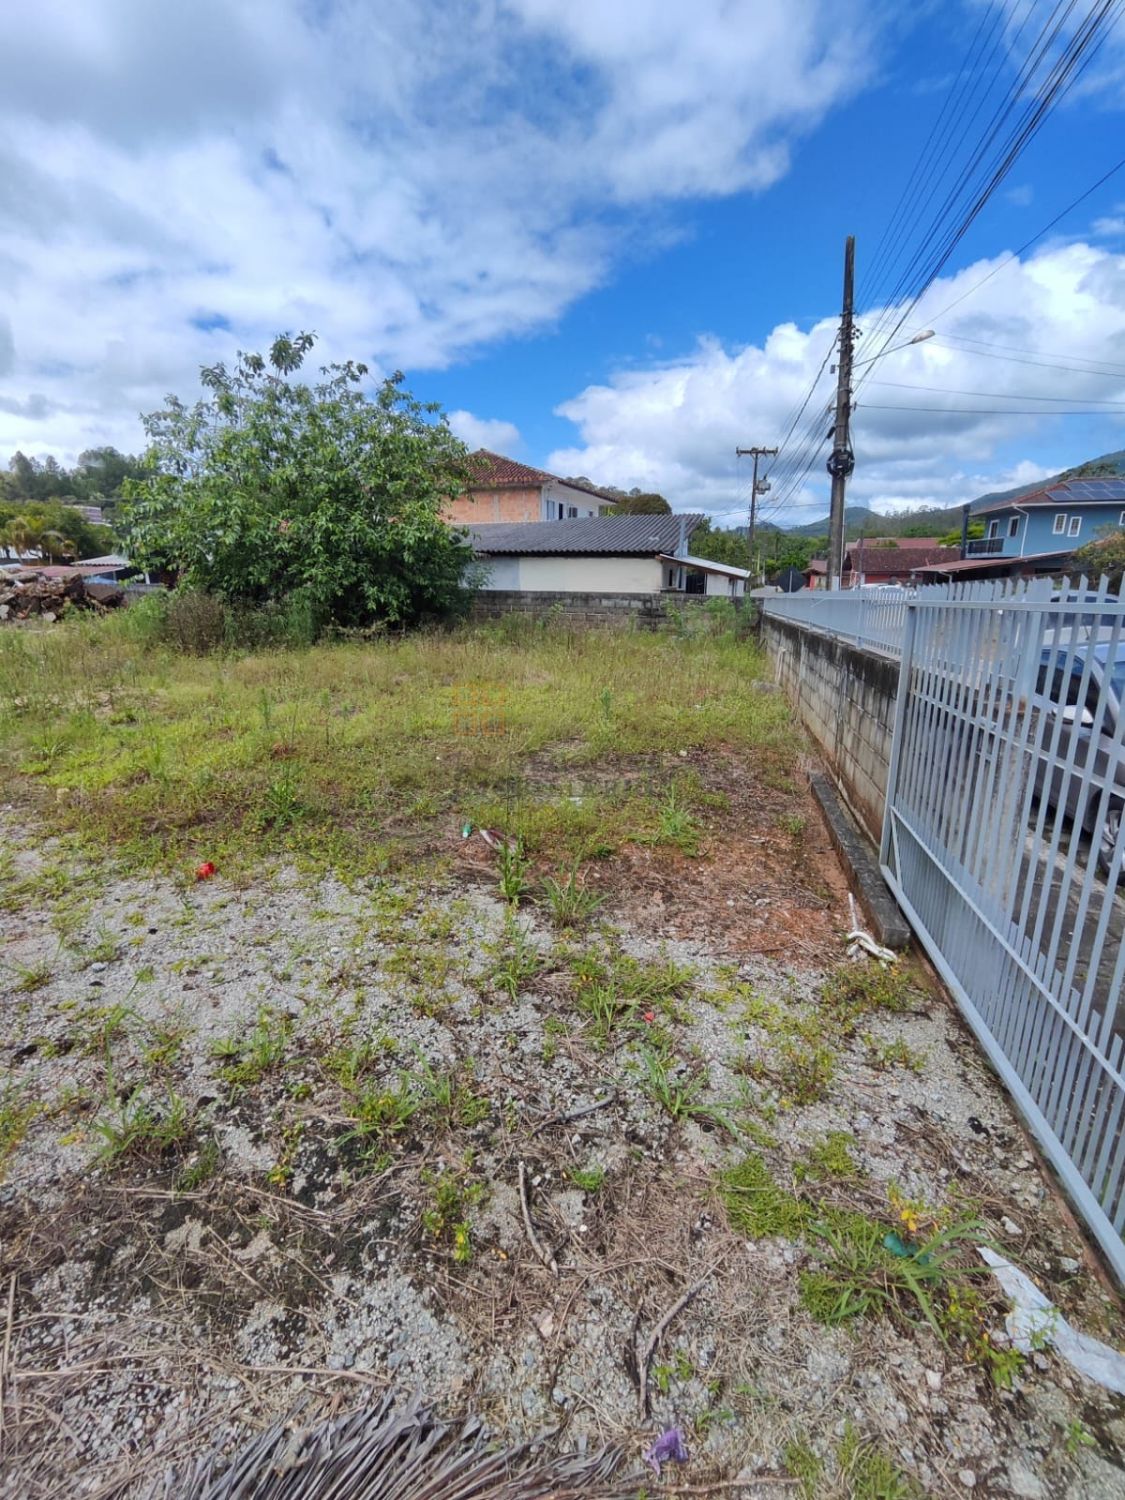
[[51, 529], [784, 550], [270, 490], [719, 545], [640, 503], [953, 538], [1105, 553]]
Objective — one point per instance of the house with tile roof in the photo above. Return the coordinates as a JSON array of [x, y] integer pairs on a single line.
[[503, 491], [1035, 533]]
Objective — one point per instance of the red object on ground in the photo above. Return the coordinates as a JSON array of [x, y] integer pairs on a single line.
[[205, 870], [649, 1016]]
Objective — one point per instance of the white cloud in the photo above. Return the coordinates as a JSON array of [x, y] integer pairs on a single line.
[[412, 179], [485, 432], [674, 426]]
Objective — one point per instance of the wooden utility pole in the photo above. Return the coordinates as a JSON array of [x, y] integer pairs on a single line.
[[841, 461], [755, 491]]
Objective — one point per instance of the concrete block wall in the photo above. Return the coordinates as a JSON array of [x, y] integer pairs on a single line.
[[845, 697], [623, 611]]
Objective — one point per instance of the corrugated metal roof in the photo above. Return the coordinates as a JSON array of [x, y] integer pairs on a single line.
[[705, 565], [625, 536]]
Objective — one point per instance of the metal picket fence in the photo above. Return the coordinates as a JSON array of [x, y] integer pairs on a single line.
[[1002, 841], [871, 617]]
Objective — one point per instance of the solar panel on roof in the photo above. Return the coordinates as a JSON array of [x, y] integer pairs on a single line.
[[1096, 489]]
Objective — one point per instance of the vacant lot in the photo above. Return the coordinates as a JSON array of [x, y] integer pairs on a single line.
[[586, 1126]]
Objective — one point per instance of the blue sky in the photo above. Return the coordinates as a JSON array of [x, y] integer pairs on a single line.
[[607, 239]]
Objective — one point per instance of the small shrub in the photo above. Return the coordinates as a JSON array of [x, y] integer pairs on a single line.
[[195, 622]]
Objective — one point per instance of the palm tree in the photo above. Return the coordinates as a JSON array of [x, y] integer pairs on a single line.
[[57, 545]]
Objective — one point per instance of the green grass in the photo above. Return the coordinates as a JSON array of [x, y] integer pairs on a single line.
[[589, 1179], [346, 755], [249, 1059], [16, 1114], [139, 1128], [569, 901]]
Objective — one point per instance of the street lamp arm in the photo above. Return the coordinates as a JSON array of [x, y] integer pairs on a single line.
[[919, 338]]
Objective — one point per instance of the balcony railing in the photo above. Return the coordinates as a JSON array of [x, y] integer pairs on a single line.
[[986, 546]]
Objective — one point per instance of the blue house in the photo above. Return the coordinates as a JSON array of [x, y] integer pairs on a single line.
[[1050, 522]]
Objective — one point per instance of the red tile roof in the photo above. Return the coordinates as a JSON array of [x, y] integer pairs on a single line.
[[495, 472], [897, 560]]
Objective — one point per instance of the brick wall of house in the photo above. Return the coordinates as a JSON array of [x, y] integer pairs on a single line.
[[488, 507]]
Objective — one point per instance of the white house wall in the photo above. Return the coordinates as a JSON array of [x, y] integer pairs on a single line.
[[588, 575], [503, 573], [718, 583], [557, 493]]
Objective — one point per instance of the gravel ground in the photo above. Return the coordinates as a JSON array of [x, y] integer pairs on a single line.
[[282, 1242]]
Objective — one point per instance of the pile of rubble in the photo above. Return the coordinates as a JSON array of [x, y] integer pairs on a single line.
[[48, 596]]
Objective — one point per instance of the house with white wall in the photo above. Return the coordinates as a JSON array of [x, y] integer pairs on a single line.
[[601, 554]]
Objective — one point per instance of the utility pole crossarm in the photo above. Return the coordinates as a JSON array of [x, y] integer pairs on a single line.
[[756, 488]]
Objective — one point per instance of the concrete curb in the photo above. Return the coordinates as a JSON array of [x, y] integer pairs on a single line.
[[888, 925]]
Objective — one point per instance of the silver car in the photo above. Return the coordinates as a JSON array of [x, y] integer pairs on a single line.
[[1096, 758]]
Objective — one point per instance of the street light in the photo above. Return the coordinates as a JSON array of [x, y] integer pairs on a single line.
[[919, 338]]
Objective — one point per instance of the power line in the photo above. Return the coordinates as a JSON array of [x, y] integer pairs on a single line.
[[939, 241], [989, 411], [905, 385], [1027, 244], [1108, 372]]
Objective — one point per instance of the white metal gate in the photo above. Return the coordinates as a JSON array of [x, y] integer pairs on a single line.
[[1002, 842]]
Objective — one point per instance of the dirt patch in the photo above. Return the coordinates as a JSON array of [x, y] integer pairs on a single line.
[[304, 1141]]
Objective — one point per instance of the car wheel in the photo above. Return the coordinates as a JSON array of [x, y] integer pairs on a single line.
[[1108, 841]]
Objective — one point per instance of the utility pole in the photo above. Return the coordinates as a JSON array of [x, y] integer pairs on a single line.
[[841, 461], [756, 488]]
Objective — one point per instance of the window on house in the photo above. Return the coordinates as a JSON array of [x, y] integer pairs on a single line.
[[695, 583], [572, 512], [1060, 524], [1014, 526], [994, 528], [1075, 526]]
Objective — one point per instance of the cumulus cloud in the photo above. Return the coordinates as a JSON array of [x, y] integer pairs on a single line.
[[412, 180], [485, 432], [673, 426]]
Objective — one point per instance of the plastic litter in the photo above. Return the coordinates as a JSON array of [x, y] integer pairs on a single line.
[[1035, 1321], [668, 1448], [205, 870], [496, 840], [466, 830], [860, 941], [898, 1246]]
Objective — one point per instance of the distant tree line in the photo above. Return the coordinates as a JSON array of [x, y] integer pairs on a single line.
[[38, 497]]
